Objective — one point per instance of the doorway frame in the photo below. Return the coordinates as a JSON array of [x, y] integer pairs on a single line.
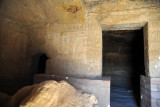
[[148, 78]]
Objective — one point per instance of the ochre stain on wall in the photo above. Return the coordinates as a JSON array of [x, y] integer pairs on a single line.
[[38, 13]]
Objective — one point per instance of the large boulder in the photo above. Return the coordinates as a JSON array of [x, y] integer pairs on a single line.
[[58, 94]]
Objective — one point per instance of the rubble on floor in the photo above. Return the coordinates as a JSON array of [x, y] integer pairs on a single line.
[[52, 94]]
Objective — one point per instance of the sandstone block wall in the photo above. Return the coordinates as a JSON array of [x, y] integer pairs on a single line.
[[154, 48], [74, 50], [150, 84], [155, 92], [23, 30], [145, 91], [150, 92]]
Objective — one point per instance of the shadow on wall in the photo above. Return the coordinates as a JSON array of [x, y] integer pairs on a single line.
[[1, 2], [38, 65], [138, 63]]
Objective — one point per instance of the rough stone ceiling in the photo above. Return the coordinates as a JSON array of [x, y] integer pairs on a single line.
[[38, 13], [41, 12]]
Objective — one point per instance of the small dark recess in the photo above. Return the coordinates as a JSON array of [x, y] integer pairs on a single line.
[[38, 66]]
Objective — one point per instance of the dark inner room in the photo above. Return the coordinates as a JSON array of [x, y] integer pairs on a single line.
[[123, 60]]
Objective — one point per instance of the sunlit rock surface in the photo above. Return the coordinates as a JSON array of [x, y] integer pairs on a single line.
[[54, 94], [49, 94]]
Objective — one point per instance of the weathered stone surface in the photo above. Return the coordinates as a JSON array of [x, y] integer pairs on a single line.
[[75, 50], [158, 102], [153, 48], [155, 81], [39, 13], [154, 102], [110, 12], [53, 94], [49, 94], [154, 88], [152, 94], [98, 87], [145, 91], [12, 55], [18, 97], [155, 95], [32, 26], [146, 54]]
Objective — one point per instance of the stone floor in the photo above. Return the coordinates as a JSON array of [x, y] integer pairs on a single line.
[[121, 97]]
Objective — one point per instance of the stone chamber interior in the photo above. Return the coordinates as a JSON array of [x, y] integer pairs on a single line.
[[52, 38], [123, 60]]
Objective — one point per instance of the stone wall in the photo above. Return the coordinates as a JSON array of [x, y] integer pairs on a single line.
[[74, 50], [150, 84], [25, 32], [146, 55], [154, 48], [12, 56], [155, 92], [150, 92], [145, 91]]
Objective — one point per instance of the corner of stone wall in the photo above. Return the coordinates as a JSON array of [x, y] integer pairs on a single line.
[[145, 91], [155, 92], [150, 91]]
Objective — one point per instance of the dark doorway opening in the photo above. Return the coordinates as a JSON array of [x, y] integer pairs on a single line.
[[38, 66], [123, 60], [42, 64]]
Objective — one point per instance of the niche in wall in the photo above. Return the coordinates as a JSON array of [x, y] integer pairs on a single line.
[[42, 64], [38, 66]]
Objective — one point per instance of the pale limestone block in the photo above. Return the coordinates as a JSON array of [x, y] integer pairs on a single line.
[[54, 94]]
